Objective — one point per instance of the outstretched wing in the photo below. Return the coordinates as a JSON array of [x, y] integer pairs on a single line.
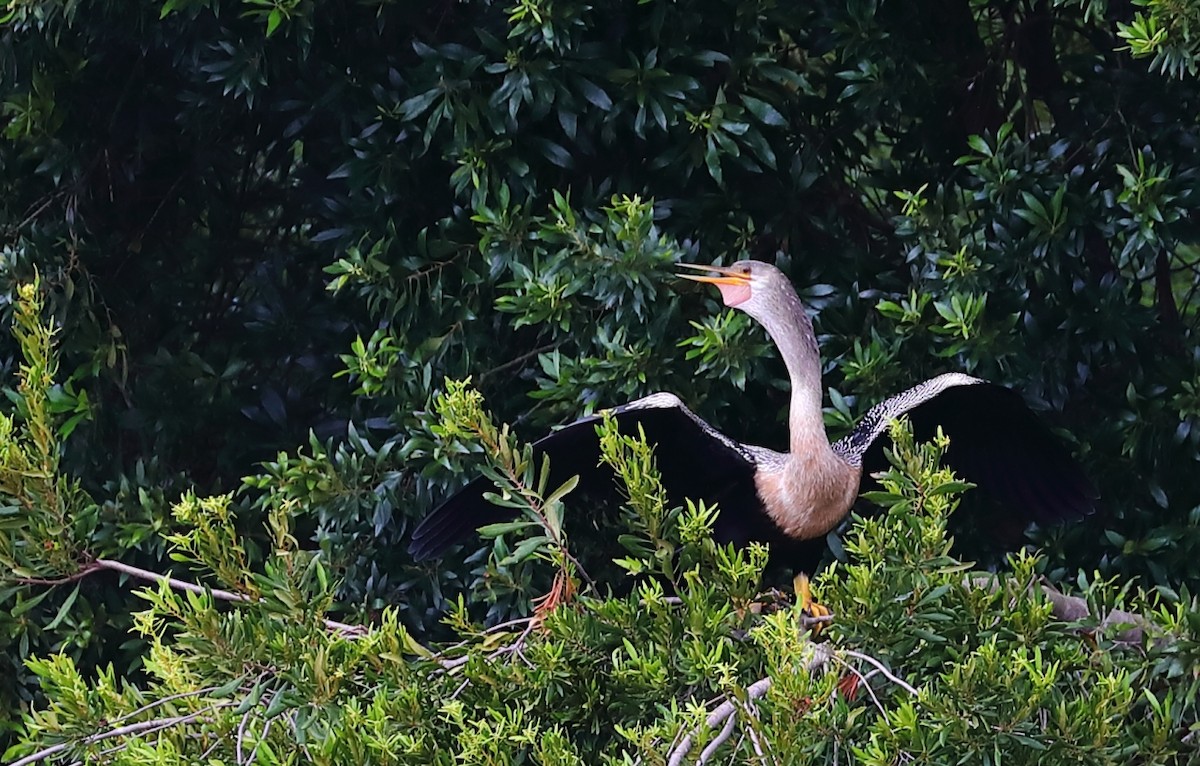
[[996, 442], [695, 460]]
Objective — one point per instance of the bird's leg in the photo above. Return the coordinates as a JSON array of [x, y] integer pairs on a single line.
[[815, 615]]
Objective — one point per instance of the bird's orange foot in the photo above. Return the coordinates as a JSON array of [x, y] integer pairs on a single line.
[[815, 615]]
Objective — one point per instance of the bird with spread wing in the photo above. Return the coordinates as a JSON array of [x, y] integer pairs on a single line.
[[792, 499]]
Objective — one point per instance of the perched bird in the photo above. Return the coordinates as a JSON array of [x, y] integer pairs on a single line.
[[792, 499]]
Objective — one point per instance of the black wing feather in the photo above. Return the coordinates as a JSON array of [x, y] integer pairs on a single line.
[[999, 444], [693, 459]]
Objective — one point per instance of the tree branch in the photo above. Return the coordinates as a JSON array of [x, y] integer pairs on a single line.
[[142, 727], [884, 671], [718, 717], [711, 748], [346, 629], [724, 713], [519, 360]]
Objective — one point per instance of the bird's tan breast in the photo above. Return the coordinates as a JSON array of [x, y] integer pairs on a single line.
[[807, 496]]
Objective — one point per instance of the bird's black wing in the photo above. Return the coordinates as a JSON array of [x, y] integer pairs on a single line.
[[996, 442], [695, 461]]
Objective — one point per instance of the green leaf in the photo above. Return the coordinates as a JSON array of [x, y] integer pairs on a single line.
[[414, 107], [934, 595], [764, 112], [525, 549], [594, 94], [227, 689], [553, 152], [504, 528], [979, 145], [251, 699], [25, 605], [64, 610], [951, 488], [563, 490]]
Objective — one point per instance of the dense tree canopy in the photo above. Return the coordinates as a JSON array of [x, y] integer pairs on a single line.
[[267, 232]]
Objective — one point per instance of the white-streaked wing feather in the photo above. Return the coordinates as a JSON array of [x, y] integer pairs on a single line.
[[855, 444], [695, 460]]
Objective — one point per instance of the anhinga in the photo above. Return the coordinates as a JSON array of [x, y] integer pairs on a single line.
[[788, 498]]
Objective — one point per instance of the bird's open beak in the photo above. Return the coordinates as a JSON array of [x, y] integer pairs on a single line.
[[733, 283], [730, 276]]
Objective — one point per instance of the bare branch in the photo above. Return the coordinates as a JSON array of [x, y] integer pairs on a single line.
[[518, 360], [711, 748], [163, 701], [144, 574], [133, 729], [254, 751], [461, 687], [753, 734], [209, 750], [865, 683], [879, 666], [90, 568], [241, 734], [721, 715], [723, 712], [347, 630], [489, 631], [808, 622], [449, 665], [96, 565]]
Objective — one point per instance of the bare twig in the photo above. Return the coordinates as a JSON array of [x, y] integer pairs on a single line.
[[756, 743], [133, 729], [291, 717], [807, 621], [89, 569], [241, 734], [518, 360], [753, 734], [879, 666], [209, 750], [517, 647], [163, 701], [711, 748], [461, 688], [726, 710], [144, 574], [718, 717], [96, 565], [508, 624], [866, 683], [494, 629], [448, 665], [254, 750]]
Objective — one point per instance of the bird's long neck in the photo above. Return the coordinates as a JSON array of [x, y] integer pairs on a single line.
[[792, 330]]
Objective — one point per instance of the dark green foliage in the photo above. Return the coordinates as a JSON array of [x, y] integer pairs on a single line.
[[267, 231]]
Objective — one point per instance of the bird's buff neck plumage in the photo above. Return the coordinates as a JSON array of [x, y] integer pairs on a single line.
[[789, 326]]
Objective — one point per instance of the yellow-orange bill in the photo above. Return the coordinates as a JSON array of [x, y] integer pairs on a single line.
[[730, 276]]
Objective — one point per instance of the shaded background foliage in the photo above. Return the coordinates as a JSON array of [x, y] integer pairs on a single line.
[[273, 227]]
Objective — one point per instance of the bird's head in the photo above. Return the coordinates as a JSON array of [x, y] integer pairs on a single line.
[[750, 286]]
